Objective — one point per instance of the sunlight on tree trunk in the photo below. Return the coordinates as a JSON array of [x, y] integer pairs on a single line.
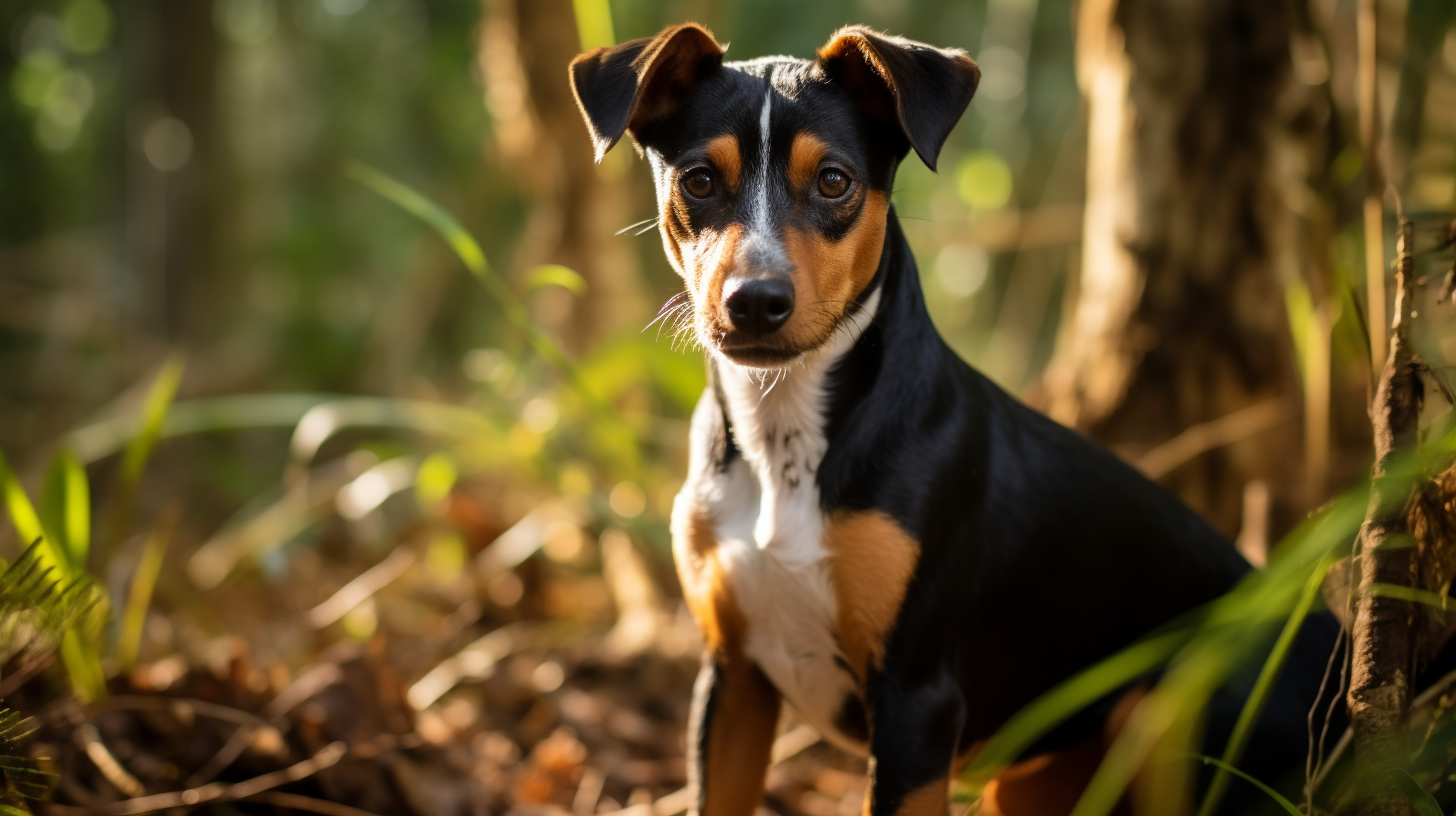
[[1180, 318], [575, 206]]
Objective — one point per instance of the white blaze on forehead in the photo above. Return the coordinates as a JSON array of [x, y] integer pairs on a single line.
[[760, 204], [760, 246]]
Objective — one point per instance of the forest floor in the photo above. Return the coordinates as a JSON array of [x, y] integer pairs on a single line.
[[344, 687]]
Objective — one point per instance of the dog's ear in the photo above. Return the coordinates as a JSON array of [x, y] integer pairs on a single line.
[[921, 89], [628, 86]]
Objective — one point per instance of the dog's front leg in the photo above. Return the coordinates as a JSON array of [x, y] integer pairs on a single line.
[[915, 727], [735, 713]]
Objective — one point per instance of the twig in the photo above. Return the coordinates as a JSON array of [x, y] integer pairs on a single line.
[[327, 756], [361, 588], [793, 742], [216, 711], [308, 803], [1426, 697], [305, 686], [119, 777], [1379, 695], [1206, 436]]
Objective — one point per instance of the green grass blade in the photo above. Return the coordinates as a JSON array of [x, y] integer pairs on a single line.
[[556, 275], [139, 450], [613, 429], [26, 521], [154, 414], [431, 213], [65, 507], [1042, 715], [82, 657], [1404, 593], [1284, 803], [1422, 802], [107, 437], [1259, 696], [143, 583], [594, 23]]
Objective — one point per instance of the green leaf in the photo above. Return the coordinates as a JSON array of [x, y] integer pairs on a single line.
[[426, 210], [613, 430], [143, 583], [1042, 715], [139, 450], [25, 520], [154, 414], [1284, 803], [1259, 696], [1421, 800], [1405, 593], [556, 275], [65, 507], [436, 478]]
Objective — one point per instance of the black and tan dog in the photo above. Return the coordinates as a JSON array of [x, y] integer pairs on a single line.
[[870, 529]]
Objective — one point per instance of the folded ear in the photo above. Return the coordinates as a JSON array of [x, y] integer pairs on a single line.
[[628, 86], [923, 90]]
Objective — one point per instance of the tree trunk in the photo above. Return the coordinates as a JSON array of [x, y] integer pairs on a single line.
[[1380, 678], [575, 205], [1180, 317]]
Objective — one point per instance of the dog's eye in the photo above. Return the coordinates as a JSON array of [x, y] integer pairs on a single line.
[[698, 183], [833, 182]]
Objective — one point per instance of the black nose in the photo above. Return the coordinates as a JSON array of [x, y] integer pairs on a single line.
[[760, 306]]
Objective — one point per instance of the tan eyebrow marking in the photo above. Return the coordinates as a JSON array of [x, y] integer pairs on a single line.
[[804, 157], [723, 152]]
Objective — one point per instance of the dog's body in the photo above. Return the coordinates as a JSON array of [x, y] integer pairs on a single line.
[[870, 529]]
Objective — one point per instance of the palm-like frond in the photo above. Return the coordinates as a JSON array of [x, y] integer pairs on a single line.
[[35, 608]]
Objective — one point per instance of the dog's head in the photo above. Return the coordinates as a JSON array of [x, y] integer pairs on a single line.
[[774, 175]]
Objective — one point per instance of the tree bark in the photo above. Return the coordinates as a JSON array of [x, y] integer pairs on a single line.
[[575, 205], [1380, 679], [1180, 317]]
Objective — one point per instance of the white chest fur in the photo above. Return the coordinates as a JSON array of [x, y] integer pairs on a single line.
[[770, 529]]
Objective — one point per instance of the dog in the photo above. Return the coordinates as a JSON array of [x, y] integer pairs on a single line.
[[871, 530]]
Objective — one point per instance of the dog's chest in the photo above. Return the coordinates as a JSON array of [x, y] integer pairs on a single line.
[[769, 529]]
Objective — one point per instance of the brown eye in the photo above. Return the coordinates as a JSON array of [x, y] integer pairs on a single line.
[[833, 183], [698, 183]]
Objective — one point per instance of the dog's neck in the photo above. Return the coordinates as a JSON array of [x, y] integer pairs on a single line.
[[777, 419]]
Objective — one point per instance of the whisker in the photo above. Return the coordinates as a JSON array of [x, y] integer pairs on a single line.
[[673, 304], [630, 227]]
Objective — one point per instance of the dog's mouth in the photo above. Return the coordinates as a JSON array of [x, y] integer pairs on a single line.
[[760, 355], [770, 351]]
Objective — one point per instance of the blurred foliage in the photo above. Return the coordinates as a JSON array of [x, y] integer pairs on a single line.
[[184, 176]]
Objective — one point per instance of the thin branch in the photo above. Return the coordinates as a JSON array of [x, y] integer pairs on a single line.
[[306, 803], [328, 756], [1206, 436]]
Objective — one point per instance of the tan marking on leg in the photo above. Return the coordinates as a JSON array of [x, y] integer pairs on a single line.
[[708, 593], [930, 799], [1051, 784], [740, 741], [1046, 785], [724, 153], [804, 156], [871, 561], [829, 275]]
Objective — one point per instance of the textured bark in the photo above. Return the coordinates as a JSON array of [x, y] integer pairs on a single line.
[[575, 206], [1180, 318], [1379, 696]]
